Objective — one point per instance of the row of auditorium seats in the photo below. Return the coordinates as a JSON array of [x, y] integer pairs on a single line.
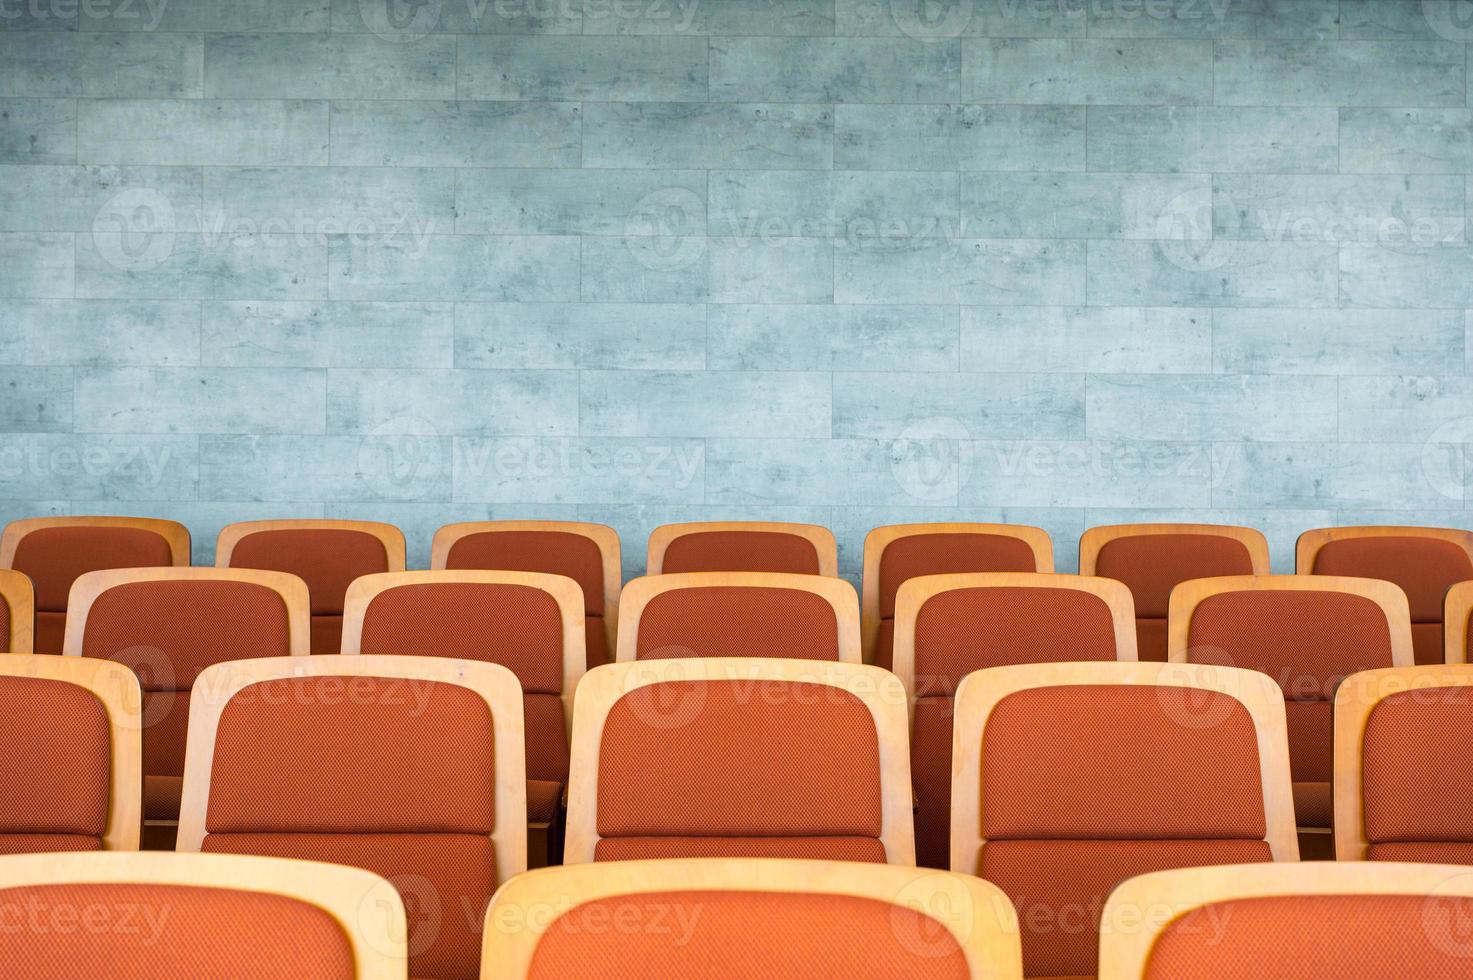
[[1069, 778], [173, 918]]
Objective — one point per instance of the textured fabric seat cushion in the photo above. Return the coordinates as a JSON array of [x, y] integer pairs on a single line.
[[173, 931], [544, 800], [38, 843], [939, 554], [53, 557], [1151, 565], [1416, 787], [738, 621], [50, 632], [327, 559], [736, 935], [740, 551], [553, 552], [1059, 888], [55, 767], [807, 754], [863, 849], [1368, 937]]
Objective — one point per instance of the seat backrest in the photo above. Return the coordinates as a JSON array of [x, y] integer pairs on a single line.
[[1069, 778], [896, 553], [1457, 617], [587, 553], [1401, 790], [71, 772], [703, 918], [947, 626], [528, 622], [739, 614], [169, 624], [1423, 561], [820, 749], [1322, 919], [409, 767], [187, 916], [742, 546], [54, 551], [1153, 559], [17, 612], [1307, 632], [326, 554]]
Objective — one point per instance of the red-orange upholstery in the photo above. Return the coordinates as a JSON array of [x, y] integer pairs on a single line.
[[963, 630], [1417, 793], [5, 636], [55, 766], [168, 632], [517, 626], [738, 621], [1084, 786], [939, 554], [1368, 937], [551, 552], [301, 771], [327, 559], [169, 931], [737, 935], [1308, 642], [54, 557], [1425, 568], [740, 551], [1151, 565], [808, 758]]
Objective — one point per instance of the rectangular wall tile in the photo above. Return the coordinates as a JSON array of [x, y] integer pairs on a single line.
[[1214, 408], [1402, 408], [743, 18], [469, 17], [169, 265], [1399, 20], [717, 403], [62, 65], [707, 136], [1089, 473], [1223, 139], [99, 467], [850, 205], [35, 399], [1308, 19], [1093, 340], [1406, 276], [1007, 406], [459, 267], [100, 332], [1364, 342], [38, 131], [102, 198], [590, 336], [144, 400], [645, 269], [36, 264], [981, 18], [580, 471], [580, 202], [1339, 73], [831, 338], [322, 66], [402, 464], [269, 16], [1022, 272], [1087, 205], [788, 471], [1406, 141], [469, 403], [455, 134], [605, 69], [210, 132], [767, 69], [878, 137], [1427, 210], [1211, 274], [1088, 72], [255, 333], [311, 203], [783, 270]]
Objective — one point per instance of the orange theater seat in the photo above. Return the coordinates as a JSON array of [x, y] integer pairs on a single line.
[[898, 552], [739, 614], [740, 758], [1265, 922], [947, 626], [54, 551], [191, 916], [742, 546], [1423, 561], [529, 622], [409, 767], [586, 553], [724, 919], [1308, 633], [71, 755], [328, 555], [168, 625], [17, 612], [1153, 559], [1402, 789], [1070, 778]]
